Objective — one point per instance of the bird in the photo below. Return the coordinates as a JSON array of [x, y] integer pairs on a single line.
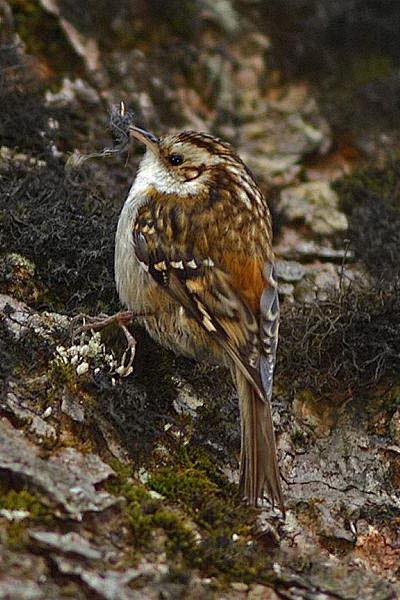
[[194, 261]]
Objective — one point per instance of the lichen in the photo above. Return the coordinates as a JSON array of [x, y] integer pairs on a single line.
[[88, 354]]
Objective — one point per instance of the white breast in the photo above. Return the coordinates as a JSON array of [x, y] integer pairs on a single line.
[[130, 277]]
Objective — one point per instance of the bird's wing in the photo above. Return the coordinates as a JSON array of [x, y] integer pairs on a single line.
[[205, 291]]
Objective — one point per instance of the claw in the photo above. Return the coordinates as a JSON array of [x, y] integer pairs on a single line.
[[126, 369], [100, 322]]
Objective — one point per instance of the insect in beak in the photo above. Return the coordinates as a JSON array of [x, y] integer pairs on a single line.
[[147, 138]]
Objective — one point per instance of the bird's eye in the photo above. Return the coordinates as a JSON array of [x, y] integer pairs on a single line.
[[175, 159]]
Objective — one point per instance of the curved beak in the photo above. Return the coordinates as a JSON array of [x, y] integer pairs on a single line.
[[147, 138]]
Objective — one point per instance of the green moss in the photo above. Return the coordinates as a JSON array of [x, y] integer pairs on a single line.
[[220, 557], [22, 500], [196, 484], [206, 500], [188, 486], [180, 539], [146, 515], [12, 499], [61, 374]]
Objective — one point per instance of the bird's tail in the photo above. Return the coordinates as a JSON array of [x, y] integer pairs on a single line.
[[259, 469]]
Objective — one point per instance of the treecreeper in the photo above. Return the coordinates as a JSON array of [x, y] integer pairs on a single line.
[[194, 261]]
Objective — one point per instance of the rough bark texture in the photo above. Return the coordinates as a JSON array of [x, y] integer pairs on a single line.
[[125, 488]]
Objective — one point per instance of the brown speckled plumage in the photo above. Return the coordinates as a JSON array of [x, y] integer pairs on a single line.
[[193, 250]]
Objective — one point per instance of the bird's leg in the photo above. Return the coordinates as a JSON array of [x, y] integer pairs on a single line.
[[99, 322]]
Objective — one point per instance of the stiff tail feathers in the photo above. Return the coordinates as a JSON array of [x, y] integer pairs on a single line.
[[259, 469]]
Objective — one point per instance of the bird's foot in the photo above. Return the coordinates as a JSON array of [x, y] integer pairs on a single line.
[[128, 356], [100, 322]]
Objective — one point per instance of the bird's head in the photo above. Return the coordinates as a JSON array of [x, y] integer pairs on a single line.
[[183, 163]]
